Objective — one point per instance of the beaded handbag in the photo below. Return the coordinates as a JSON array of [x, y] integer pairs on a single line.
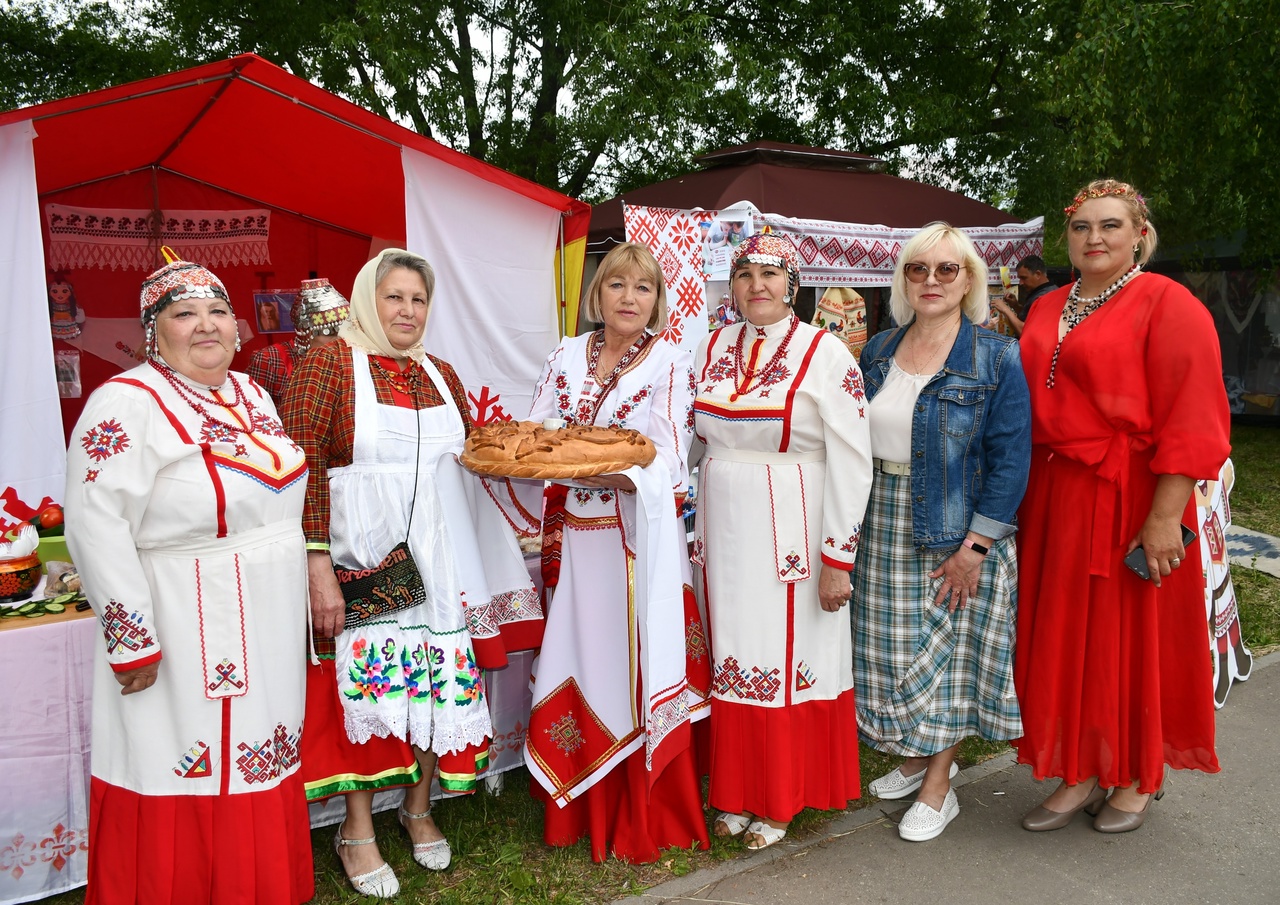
[[392, 585]]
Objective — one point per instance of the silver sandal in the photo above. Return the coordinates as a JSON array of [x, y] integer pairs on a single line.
[[381, 882], [431, 855]]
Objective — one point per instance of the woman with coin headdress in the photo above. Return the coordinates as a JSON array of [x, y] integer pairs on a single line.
[[784, 482], [184, 504], [317, 313]]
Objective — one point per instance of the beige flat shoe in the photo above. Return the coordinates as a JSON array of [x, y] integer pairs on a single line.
[[1040, 819]]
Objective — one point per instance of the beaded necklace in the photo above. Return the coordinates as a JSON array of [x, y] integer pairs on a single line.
[[1079, 308], [197, 400], [587, 414], [405, 382], [750, 374]]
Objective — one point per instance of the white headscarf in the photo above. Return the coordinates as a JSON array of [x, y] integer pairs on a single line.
[[363, 329]]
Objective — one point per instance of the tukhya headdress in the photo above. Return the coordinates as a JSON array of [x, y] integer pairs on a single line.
[[771, 248], [175, 281], [319, 309]]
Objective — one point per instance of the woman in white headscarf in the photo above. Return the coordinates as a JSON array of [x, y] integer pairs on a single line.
[[380, 422]]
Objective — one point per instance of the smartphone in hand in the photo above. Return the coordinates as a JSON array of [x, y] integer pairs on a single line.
[[1137, 558]]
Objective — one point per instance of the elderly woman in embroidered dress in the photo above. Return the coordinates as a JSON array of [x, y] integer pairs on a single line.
[[935, 589], [1128, 411], [381, 423], [633, 789], [184, 499], [784, 482]]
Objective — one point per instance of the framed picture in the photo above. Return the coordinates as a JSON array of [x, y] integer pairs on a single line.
[[271, 309]]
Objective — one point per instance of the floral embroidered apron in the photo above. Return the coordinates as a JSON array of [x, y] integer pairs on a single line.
[[412, 673]]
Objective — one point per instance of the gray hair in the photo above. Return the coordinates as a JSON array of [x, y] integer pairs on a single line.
[[408, 260]]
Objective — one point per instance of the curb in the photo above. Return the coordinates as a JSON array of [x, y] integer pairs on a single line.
[[686, 888]]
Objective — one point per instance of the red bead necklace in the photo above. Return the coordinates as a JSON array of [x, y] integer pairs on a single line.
[[750, 374], [197, 400]]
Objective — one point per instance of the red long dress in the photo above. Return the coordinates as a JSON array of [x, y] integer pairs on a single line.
[[1113, 675]]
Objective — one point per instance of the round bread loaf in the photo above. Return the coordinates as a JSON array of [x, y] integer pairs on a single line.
[[524, 449]]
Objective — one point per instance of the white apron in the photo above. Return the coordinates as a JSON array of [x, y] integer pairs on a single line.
[[411, 674]]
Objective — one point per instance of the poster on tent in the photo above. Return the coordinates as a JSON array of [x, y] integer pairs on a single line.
[[728, 230]]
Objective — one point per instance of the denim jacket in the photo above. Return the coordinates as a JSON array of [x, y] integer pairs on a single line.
[[970, 436]]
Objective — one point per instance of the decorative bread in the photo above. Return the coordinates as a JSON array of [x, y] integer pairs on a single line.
[[524, 449]]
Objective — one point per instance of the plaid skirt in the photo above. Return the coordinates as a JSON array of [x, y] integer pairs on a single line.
[[924, 678]]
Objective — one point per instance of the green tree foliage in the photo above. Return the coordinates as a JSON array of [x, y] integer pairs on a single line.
[[51, 51], [562, 92], [1178, 97], [1015, 101]]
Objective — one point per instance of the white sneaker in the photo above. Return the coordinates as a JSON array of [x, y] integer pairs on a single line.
[[895, 784], [922, 823]]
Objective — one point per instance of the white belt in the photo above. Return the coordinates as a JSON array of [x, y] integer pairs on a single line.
[[240, 542], [755, 457], [898, 468]]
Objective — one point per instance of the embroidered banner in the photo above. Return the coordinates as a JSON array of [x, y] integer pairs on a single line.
[[859, 254], [676, 239], [831, 253], [128, 238]]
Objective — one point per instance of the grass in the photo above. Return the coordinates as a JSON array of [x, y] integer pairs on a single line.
[[497, 839], [1255, 500]]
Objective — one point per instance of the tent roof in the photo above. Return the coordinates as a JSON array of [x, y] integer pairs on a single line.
[[206, 124], [797, 181]]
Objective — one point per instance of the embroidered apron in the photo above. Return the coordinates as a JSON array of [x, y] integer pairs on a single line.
[[412, 673]]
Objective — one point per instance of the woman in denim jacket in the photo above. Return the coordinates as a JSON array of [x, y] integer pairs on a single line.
[[935, 583]]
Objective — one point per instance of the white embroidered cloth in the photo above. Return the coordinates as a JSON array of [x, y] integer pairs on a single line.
[[129, 238]]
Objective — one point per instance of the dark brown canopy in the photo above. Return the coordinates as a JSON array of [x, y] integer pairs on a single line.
[[796, 181]]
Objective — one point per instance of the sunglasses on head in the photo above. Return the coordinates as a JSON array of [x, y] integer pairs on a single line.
[[946, 273]]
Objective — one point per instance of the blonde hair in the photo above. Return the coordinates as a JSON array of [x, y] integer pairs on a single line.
[[629, 257], [976, 304], [1133, 201]]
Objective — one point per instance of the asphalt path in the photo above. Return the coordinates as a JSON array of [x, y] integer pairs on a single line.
[[1212, 839]]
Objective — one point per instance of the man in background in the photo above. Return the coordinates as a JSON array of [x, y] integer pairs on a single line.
[[1033, 282]]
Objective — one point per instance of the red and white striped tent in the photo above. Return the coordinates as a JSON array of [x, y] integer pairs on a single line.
[[195, 150]]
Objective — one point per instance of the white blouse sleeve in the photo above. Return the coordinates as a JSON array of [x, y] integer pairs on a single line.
[[842, 404], [544, 393], [670, 424], [111, 471]]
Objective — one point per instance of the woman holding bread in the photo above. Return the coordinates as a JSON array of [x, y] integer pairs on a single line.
[[784, 482], [624, 668]]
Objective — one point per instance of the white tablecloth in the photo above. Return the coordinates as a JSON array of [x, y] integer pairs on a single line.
[[46, 680]]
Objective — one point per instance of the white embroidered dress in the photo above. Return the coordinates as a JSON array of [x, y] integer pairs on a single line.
[[593, 702], [783, 486], [187, 533]]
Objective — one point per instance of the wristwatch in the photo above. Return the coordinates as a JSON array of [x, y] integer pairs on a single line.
[[975, 547]]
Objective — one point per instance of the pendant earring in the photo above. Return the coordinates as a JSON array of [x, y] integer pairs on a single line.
[[237, 339]]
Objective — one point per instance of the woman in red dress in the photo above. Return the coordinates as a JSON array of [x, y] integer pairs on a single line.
[[1128, 411]]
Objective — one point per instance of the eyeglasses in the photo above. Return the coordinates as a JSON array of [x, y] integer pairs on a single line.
[[946, 273]]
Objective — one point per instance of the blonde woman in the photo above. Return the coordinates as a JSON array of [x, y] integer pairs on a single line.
[[935, 587]]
